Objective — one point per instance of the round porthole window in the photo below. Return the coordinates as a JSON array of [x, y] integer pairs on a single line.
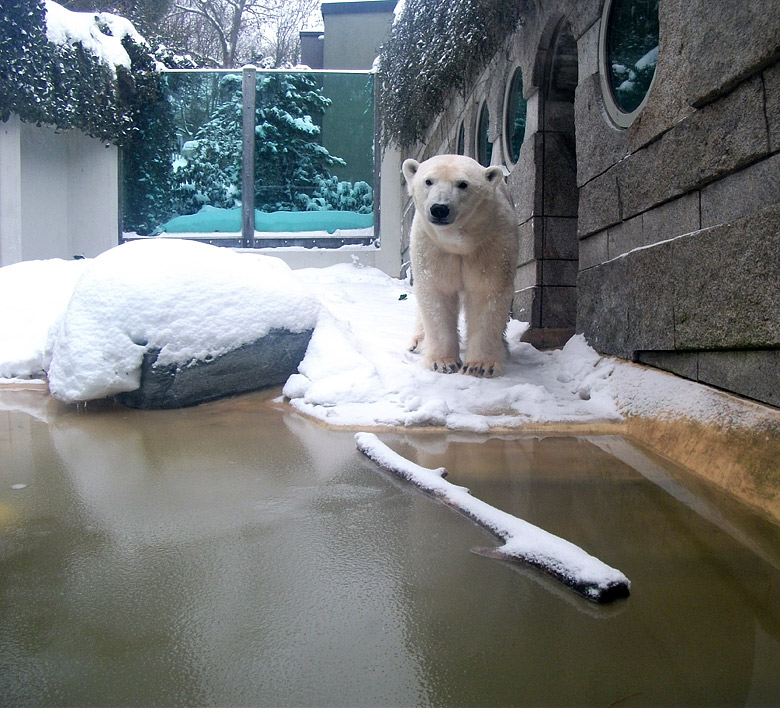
[[514, 117], [628, 50], [484, 146]]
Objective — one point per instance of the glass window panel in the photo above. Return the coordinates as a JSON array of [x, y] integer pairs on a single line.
[[183, 141], [515, 116], [314, 142], [631, 50], [484, 146], [461, 144]]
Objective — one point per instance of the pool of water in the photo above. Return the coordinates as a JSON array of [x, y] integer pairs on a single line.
[[238, 554]]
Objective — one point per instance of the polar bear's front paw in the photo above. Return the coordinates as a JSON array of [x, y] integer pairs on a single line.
[[483, 369], [444, 365]]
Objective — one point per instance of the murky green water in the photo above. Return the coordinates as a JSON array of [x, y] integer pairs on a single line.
[[236, 554]]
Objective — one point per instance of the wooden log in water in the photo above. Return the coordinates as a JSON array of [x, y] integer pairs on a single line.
[[523, 542]]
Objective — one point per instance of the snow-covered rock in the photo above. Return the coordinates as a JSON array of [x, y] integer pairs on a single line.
[[192, 320], [268, 361]]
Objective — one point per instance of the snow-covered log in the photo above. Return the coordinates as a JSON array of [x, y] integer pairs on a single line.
[[523, 542]]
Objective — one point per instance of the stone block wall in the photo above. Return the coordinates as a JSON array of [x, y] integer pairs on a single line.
[[659, 242], [679, 222]]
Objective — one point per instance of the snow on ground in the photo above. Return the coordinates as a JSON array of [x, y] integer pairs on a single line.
[[34, 295], [357, 371]]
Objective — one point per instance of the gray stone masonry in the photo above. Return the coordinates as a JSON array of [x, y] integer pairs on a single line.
[[559, 186], [743, 37], [726, 282], [725, 136], [741, 193], [523, 184], [720, 138], [599, 145], [599, 204], [772, 91], [526, 304], [685, 304], [679, 216], [707, 48], [529, 241], [754, 373], [560, 238]]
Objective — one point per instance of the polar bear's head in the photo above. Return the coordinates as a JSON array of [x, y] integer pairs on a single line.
[[449, 188]]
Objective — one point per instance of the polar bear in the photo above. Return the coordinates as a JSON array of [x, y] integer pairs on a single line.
[[464, 249]]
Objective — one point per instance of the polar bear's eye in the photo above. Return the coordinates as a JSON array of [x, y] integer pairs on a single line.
[[429, 182], [463, 185]]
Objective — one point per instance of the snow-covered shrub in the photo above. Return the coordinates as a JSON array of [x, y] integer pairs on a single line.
[[436, 48], [211, 174], [79, 70], [289, 159], [339, 196]]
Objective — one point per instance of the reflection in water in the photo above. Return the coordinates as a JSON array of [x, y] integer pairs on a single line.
[[237, 554]]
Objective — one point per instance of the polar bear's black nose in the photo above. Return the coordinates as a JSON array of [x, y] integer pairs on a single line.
[[440, 211]]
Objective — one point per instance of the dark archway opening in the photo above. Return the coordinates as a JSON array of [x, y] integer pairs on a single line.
[[557, 254]]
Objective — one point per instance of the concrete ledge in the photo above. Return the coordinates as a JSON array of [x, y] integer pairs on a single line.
[[547, 337], [740, 461]]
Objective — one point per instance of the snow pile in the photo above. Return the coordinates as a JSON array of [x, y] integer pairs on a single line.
[[522, 541], [100, 33], [34, 294], [189, 300]]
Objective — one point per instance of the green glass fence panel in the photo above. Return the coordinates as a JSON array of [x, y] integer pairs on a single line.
[[314, 154], [186, 154]]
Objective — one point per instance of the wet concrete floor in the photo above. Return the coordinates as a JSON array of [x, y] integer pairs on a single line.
[[238, 554]]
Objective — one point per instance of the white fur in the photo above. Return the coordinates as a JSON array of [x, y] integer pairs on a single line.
[[466, 258]]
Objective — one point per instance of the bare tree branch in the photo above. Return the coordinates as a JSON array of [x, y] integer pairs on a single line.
[[236, 31]]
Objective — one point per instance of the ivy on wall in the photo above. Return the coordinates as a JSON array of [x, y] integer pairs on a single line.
[[435, 48], [66, 86]]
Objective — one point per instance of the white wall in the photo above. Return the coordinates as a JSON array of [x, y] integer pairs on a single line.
[[10, 193], [58, 193]]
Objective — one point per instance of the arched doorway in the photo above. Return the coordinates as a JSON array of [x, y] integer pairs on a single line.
[[557, 247]]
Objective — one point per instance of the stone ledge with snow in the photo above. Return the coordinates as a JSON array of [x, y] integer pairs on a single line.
[[163, 324]]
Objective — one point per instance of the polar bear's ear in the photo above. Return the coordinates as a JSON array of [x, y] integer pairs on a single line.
[[409, 168], [494, 174]]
